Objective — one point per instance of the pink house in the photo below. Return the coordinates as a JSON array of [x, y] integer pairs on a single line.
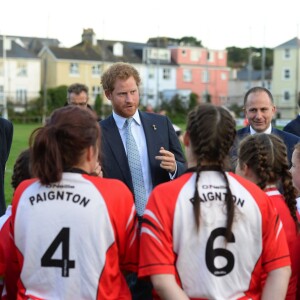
[[203, 72]]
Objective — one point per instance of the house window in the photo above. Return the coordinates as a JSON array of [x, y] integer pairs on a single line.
[[150, 94], [183, 52], [220, 55], [74, 69], [96, 69], [286, 95], [187, 75], [205, 76], [150, 72], [210, 56], [21, 96], [287, 53], [1, 69], [287, 74], [223, 76], [96, 90], [21, 69], [118, 49], [195, 55], [167, 74]]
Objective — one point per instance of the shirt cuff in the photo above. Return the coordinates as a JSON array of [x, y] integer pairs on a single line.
[[173, 175]]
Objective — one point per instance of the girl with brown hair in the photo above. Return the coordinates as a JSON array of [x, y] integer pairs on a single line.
[[262, 158], [72, 241]]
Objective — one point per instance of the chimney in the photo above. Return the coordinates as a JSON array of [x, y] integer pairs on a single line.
[[89, 36]]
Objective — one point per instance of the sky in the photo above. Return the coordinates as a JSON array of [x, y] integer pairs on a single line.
[[217, 23]]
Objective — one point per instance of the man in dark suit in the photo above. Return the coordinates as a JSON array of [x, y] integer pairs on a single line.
[[159, 149], [259, 110], [6, 135], [294, 125]]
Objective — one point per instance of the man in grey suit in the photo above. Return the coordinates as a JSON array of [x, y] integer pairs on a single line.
[[159, 148]]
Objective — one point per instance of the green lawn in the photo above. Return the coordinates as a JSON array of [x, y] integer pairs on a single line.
[[20, 143]]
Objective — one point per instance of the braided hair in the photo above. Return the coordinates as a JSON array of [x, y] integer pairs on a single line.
[[212, 132], [266, 155]]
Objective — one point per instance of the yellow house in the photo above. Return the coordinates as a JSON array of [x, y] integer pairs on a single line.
[[64, 66], [85, 62], [286, 75]]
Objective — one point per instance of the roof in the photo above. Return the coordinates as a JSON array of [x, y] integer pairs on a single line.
[[293, 43], [34, 44], [103, 51], [17, 51]]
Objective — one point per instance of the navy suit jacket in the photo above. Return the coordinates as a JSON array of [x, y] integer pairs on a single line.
[[293, 126], [159, 132], [289, 139], [6, 135]]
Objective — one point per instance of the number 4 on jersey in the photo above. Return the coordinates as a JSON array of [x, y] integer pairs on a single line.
[[64, 263]]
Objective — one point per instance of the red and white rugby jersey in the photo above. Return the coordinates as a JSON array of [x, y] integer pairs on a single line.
[[4, 228], [10, 270], [205, 267], [292, 237], [74, 238]]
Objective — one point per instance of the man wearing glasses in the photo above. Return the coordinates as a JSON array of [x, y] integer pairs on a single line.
[[78, 94]]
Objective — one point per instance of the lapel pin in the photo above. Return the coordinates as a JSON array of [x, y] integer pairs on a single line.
[[154, 127]]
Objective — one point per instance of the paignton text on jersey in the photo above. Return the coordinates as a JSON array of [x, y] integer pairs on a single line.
[[59, 195], [214, 196]]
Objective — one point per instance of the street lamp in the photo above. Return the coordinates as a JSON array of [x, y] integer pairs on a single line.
[[250, 66]]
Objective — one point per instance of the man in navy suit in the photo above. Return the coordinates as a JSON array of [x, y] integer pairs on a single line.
[[159, 148], [259, 110], [6, 135], [294, 125]]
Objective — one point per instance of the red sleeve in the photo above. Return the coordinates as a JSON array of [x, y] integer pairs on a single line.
[[11, 268], [2, 254], [4, 243], [156, 241], [275, 248]]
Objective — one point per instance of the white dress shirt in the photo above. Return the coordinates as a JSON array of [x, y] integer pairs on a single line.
[[139, 136], [268, 130]]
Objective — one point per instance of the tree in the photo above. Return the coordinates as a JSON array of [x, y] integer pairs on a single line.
[[193, 101], [190, 40], [56, 97], [98, 105], [239, 57]]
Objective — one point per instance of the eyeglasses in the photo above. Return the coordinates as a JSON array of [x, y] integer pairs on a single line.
[[81, 104]]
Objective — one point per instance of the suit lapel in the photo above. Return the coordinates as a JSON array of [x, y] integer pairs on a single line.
[[151, 131], [114, 140]]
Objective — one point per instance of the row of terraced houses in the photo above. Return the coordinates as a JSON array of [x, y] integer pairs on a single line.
[[29, 65]]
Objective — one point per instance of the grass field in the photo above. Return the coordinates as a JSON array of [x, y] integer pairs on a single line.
[[20, 143]]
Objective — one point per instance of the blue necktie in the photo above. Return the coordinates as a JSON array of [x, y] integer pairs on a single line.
[[135, 166]]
